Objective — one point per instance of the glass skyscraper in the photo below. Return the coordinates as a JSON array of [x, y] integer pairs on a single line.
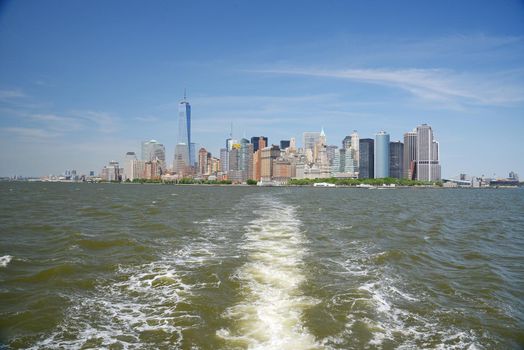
[[396, 159], [381, 155], [184, 150], [367, 159]]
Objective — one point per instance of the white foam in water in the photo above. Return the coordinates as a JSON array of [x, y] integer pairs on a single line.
[[144, 299], [383, 296], [269, 317], [4, 260]]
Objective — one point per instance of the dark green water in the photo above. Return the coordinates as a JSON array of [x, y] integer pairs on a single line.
[[167, 267]]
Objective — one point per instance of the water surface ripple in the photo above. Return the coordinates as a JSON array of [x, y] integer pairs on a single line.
[[194, 267]]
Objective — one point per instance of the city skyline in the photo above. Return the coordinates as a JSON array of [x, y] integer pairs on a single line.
[[76, 99]]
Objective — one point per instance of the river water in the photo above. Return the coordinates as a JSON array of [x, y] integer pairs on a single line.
[[195, 267]]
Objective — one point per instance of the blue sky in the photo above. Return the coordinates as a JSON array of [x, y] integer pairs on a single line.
[[83, 82]]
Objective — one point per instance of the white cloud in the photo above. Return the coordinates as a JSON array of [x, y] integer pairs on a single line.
[[8, 94], [58, 123], [429, 84], [105, 122], [30, 133]]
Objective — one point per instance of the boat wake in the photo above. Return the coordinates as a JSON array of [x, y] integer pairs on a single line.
[[269, 315]]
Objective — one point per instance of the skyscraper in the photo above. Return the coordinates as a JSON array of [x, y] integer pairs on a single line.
[[203, 162], [428, 167], [381, 155], [346, 142], [396, 157], [128, 165], [184, 157], [410, 155], [152, 150], [284, 144], [224, 160], [256, 142], [367, 159], [309, 142]]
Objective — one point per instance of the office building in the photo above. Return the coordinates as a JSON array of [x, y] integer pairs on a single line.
[[381, 155], [256, 141], [284, 144], [184, 150], [396, 159], [152, 149], [427, 166], [128, 166], [367, 159], [410, 155], [310, 139]]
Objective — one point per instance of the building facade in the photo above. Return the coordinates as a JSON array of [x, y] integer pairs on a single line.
[[427, 164], [366, 168], [410, 155], [184, 151], [257, 142], [381, 155], [396, 159], [152, 149]]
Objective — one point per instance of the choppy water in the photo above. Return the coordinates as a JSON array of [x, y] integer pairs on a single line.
[[166, 267]]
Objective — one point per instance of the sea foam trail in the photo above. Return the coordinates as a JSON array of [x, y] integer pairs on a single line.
[[269, 316], [4, 260]]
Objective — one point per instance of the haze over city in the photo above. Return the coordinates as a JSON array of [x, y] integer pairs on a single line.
[[84, 83]]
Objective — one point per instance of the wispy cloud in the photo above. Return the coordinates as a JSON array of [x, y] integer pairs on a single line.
[[58, 123], [146, 119], [8, 94], [430, 84], [103, 121], [30, 133]]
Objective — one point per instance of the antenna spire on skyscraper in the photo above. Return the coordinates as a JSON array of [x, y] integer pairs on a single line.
[[184, 94]]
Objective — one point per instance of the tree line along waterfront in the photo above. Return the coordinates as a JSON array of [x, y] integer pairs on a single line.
[[349, 182]]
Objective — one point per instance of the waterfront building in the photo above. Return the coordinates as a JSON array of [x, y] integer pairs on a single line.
[[331, 153], [152, 149], [257, 142], [241, 161], [184, 150], [246, 159], [355, 141], [257, 159], [153, 169], [180, 164], [224, 160], [281, 170], [346, 142], [214, 165], [428, 166], [396, 159], [203, 161], [344, 164], [128, 166], [381, 155], [268, 154], [112, 172], [309, 141], [410, 155], [366, 168], [192, 154]]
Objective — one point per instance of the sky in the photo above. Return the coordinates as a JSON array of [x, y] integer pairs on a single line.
[[84, 82]]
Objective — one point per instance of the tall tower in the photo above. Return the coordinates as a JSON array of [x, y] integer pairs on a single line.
[[428, 167], [410, 155], [367, 159], [183, 150], [381, 155], [396, 159]]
